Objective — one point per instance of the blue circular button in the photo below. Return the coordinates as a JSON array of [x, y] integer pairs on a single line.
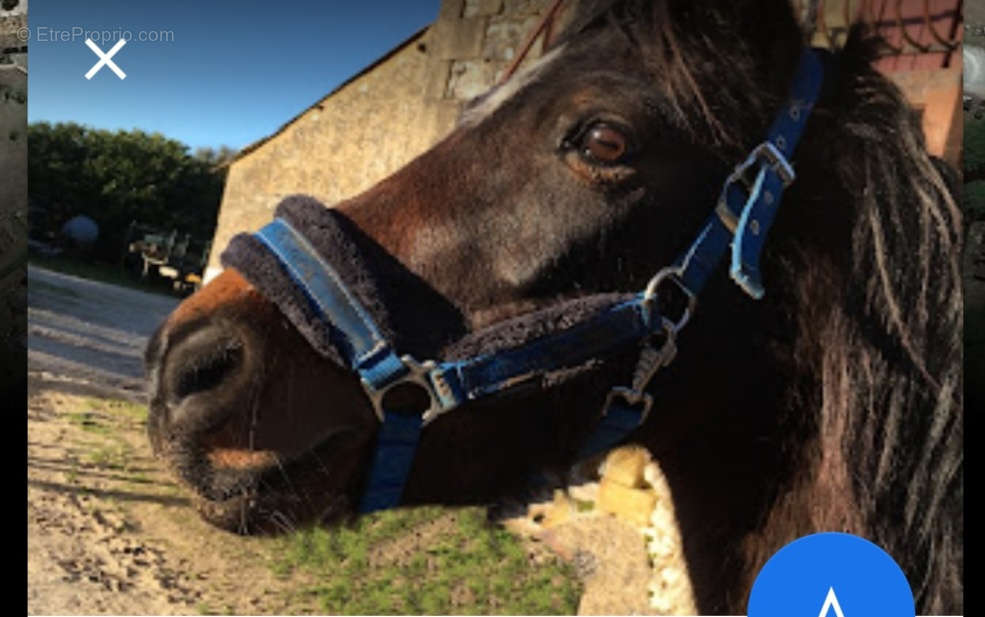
[[831, 575]]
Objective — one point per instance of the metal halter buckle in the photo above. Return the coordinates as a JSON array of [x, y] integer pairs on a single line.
[[766, 153], [418, 374], [650, 361], [769, 153]]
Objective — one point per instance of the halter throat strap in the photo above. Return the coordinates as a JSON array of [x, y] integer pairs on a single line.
[[738, 226]]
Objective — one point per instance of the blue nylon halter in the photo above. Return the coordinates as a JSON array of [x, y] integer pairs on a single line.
[[742, 219]]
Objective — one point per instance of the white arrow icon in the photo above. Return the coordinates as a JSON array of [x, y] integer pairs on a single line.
[[831, 602], [104, 59]]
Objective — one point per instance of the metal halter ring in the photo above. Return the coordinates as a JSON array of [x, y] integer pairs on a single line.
[[672, 274], [418, 374]]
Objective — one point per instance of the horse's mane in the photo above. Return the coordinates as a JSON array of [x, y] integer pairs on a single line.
[[892, 372], [883, 357], [889, 402]]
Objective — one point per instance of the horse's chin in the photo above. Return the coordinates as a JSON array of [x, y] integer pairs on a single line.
[[235, 515], [269, 513], [257, 507], [272, 499]]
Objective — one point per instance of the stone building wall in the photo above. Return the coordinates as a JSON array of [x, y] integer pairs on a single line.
[[380, 119], [334, 149]]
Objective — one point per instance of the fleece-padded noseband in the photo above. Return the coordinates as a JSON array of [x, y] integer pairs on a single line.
[[308, 263]]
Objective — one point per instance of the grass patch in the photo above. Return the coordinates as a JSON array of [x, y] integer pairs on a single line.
[[426, 560], [102, 418], [96, 415], [374, 566], [115, 456], [88, 421], [127, 409], [102, 272]]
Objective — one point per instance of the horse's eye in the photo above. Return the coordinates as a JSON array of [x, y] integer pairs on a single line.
[[603, 143]]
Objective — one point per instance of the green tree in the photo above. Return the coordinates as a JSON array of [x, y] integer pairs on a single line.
[[116, 177], [216, 157]]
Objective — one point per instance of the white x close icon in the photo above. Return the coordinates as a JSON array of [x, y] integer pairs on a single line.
[[104, 59]]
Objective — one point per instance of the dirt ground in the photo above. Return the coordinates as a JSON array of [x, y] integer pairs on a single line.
[[109, 531]]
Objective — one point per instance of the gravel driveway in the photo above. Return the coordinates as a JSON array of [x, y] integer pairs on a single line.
[[89, 332]]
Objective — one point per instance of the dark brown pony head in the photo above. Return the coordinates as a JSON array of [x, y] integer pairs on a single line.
[[832, 404]]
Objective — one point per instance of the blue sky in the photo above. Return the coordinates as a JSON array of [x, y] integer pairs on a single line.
[[220, 73]]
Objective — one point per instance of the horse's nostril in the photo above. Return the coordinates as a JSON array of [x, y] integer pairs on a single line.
[[208, 369], [203, 377]]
